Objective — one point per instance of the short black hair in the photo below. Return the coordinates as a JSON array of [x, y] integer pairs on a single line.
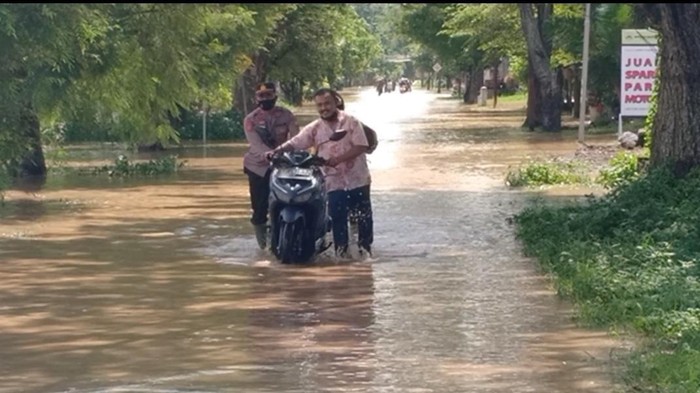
[[324, 91], [340, 102], [267, 86]]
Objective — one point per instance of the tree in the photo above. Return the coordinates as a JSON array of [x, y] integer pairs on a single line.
[[300, 51], [359, 47], [142, 82], [424, 24], [269, 25], [491, 32], [41, 48], [544, 90], [383, 20], [676, 128], [107, 63]]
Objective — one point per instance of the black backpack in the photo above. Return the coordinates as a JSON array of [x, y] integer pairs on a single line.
[[370, 134], [371, 138]]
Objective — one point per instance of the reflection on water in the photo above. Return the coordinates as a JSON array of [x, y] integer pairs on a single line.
[[156, 285]]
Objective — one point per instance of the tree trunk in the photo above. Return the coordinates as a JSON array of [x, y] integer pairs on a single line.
[[293, 91], [32, 163], [539, 47], [244, 96], [676, 129], [577, 94], [495, 84], [468, 80], [533, 116], [244, 91], [472, 87]]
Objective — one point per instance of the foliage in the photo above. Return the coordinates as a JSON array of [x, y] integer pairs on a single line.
[[424, 25], [107, 65], [496, 30], [653, 105], [54, 139], [148, 80], [123, 168], [604, 65], [493, 28], [383, 20], [40, 46], [221, 125], [359, 47], [547, 173], [301, 51], [629, 260], [623, 168]]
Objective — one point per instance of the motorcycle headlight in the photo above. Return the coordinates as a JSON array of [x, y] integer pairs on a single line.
[[281, 195], [301, 198], [288, 189]]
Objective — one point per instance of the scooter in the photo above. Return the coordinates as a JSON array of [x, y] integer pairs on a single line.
[[299, 205]]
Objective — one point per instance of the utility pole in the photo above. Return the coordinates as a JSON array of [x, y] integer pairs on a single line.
[[584, 77], [205, 112]]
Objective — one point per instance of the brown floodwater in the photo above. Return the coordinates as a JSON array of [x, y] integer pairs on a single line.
[[156, 285]]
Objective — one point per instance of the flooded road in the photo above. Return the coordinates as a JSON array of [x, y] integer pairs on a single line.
[[156, 285]]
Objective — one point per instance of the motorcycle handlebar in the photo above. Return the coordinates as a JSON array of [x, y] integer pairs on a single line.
[[276, 158]]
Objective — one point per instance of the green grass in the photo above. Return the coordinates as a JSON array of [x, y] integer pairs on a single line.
[[629, 261], [622, 168], [517, 96], [548, 173]]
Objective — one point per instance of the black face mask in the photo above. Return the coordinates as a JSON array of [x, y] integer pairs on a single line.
[[266, 105]]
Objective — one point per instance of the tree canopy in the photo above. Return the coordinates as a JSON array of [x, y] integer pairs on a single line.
[[134, 69]]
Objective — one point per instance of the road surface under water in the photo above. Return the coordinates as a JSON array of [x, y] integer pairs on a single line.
[[156, 285]]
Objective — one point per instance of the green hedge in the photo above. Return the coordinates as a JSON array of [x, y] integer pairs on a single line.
[[226, 125]]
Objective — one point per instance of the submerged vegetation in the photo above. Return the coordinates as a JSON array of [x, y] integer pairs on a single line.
[[123, 168]]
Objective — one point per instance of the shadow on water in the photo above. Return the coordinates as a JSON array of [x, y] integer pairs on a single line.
[[157, 285]]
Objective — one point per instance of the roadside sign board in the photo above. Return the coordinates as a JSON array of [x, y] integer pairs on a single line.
[[638, 70]]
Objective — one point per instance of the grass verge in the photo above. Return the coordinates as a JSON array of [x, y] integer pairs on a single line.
[[629, 261]]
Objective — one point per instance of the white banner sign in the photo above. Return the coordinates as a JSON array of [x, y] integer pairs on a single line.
[[638, 72]]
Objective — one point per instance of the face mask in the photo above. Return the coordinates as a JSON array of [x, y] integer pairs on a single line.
[[266, 105]]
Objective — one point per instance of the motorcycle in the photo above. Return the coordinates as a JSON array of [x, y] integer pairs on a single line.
[[299, 218], [404, 86]]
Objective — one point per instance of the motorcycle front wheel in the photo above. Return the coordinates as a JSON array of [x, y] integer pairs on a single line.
[[293, 245]]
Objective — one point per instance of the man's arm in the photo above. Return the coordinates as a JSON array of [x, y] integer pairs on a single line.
[[258, 148], [301, 141]]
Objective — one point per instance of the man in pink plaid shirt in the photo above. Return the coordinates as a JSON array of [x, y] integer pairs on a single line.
[[348, 180]]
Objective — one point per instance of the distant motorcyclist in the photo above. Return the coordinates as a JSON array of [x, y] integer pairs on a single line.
[[380, 86]]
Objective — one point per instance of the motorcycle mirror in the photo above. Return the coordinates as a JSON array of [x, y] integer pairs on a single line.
[[338, 135]]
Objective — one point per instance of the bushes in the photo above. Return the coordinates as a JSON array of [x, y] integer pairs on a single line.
[[547, 173], [623, 168], [221, 125]]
